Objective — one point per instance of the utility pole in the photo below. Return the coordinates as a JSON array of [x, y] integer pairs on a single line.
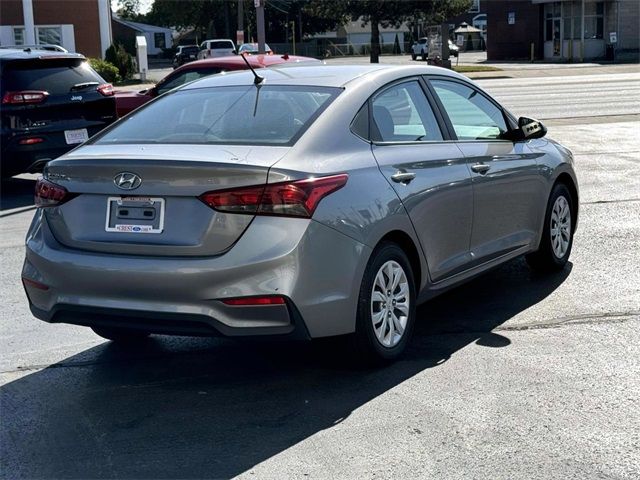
[[260, 25], [240, 30]]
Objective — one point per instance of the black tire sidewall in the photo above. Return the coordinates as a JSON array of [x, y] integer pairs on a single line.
[[364, 325]]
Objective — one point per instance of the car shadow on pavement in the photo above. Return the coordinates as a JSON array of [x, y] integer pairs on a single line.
[[16, 193], [203, 408]]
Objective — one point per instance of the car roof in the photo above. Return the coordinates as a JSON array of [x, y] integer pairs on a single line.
[[323, 75], [235, 62], [11, 54]]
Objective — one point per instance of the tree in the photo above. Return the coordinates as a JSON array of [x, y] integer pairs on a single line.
[[387, 13], [129, 10], [208, 18]]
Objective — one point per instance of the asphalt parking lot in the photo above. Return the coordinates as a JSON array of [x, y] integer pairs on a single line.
[[513, 375]]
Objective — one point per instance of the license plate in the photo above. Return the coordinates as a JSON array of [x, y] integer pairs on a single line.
[[76, 136], [192, 56], [137, 215]]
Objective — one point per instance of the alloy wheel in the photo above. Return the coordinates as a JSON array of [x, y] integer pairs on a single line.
[[560, 227], [390, 302]]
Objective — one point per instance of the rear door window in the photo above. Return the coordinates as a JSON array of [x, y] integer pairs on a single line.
[[402, 114], [238, 115]]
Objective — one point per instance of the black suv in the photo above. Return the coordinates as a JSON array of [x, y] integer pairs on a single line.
[[185, 54], [51, 102]]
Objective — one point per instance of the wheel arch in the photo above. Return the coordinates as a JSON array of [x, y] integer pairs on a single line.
[[406, 243]]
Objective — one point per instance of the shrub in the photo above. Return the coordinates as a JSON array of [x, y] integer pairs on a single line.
[[118, 56], [106, 70]]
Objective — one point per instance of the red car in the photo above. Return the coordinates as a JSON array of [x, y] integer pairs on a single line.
[[127, 101]]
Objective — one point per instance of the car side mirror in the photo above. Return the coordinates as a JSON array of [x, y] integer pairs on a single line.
[[530, 128]]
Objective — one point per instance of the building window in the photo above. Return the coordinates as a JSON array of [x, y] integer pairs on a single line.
[[49, 35], [594, 20], [475, 6], [158, 40], [18, 35]]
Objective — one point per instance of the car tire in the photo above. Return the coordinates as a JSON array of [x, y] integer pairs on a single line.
[[413, 56], [424, 56], [120, 335], [557, 234], [383, 327]]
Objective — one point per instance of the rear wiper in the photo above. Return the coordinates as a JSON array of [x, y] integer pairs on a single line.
[[82, 86]]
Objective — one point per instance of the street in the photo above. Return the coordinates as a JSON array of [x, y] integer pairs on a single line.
[[511, 376]]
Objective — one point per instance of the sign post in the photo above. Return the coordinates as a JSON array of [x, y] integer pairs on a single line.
[[259, 4], [141, 54]]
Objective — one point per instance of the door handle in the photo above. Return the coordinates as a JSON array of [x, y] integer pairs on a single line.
[[480, 168], [403, 177]]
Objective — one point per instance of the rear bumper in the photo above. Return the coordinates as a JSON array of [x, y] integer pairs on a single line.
[[282, 321], [317, 269]]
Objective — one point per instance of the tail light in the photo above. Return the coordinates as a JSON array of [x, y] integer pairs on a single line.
[[31, 140], [25, 96], [254, 301], [106, 89], [50, 195], [290, 199]]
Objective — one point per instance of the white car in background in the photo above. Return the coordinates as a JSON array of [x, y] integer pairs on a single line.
[[421, 49], [216, 48]]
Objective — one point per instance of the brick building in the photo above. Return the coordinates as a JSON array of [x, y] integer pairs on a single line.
[[561, 30], [82, 26]]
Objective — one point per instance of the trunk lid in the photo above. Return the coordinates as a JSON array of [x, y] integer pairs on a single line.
[[172, 178]]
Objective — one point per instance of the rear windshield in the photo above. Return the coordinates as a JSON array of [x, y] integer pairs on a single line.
[[54, 76], [237, 115], [189, 50], [221, 45]]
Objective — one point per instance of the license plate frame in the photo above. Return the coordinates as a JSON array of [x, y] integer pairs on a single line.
[[157, 203], [77, 136]]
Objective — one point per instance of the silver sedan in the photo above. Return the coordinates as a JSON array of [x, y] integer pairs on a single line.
[[307, 202]]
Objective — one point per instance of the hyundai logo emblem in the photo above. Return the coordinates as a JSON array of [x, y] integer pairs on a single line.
[[127, 180]]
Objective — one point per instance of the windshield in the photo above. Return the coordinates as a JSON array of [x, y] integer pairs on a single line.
[[237, 115], [221, 44], [57, 76]]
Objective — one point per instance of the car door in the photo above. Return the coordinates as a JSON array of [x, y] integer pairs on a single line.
[[507, 186], [429, 173]]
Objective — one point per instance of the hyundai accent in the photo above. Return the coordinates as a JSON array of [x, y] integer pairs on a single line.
[[306, 201]]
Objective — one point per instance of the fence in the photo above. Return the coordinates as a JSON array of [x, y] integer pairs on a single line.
[[330, 49]]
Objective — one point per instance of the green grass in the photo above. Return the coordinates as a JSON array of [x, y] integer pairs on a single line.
[[475, 68]]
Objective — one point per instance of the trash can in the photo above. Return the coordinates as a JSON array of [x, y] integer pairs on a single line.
[[610, 52]]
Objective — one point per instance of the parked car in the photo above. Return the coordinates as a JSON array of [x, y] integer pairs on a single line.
[[127, 100], [41, 46], [311, 201], [252, 49], [216, 48], [454, 50], [421, 49], [51, 102], [185, 54]]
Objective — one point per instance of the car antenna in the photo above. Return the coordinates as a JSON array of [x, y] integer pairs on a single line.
[[258, 79]]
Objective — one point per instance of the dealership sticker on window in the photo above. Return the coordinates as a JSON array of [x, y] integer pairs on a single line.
[[511, 18]]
